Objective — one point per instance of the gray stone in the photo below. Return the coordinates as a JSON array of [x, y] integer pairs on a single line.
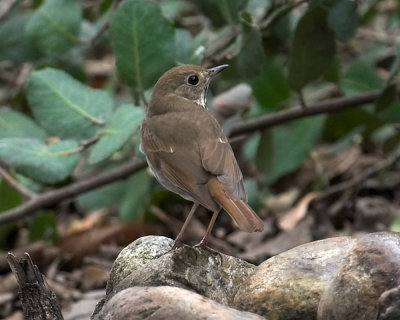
[[389, 305], [135, 256], [140, 303], [370, 268], [289, 285], [214, 275]]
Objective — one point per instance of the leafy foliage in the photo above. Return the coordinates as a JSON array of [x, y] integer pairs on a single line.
[[72, 117], [277, 155], [122, 124], [64, 106], [143, 42], [30, 157], [14, 124], [312, 55], [55, 26]]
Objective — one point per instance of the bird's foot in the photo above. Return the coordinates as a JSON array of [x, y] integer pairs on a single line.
[[203, 245], [178, 244]]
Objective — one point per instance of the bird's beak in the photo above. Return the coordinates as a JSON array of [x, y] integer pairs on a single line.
[[214, 71]]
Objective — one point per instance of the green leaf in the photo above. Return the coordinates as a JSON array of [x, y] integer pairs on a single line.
[[394, 69], [191, 49], [251, 58], [10, 198], [183, 41], [341, 123], [230, 8], [174, 9], [14, 124], [391, 113], [43, 227], [227, 9], [103, 197], [137, 196], [313, 49], [360, 76], [66, 107], [343, 19], [122, 124], [55, 26], [251, 146], [30, 157], [271, 88], [386, 98], [332, 74], [143, 42], [282, 149], [14, 45]]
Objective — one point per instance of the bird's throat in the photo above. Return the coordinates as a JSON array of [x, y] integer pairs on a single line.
[[202, 100]]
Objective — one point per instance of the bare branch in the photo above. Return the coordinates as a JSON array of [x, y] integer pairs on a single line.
[[84, 145], [280, 117], [98, 34], [52, 197]]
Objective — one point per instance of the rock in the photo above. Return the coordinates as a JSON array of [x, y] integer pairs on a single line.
[[371, 267], [214, 275], [136, 255], [289, 285], [133, 257], [389, 305], [232, 102], [338, 278], [165, 303]]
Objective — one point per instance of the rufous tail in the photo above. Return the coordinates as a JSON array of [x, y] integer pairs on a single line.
[[245, 218]]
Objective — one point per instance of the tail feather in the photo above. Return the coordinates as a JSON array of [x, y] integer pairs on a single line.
[[245, 218]]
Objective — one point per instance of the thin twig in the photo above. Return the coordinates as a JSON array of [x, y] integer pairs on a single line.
[[87, 143], [17, 82], [92, 40], [82, 146], [221, 42], [16, 185], [280, 117], [53, 197], [278, 13], [98, 34], [389, 160]]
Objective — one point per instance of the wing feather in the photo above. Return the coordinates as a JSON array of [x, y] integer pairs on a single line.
[[218, 159]]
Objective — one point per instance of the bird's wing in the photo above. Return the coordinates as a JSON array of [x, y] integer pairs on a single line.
[[218, 159], [149, 142], [178, 169]]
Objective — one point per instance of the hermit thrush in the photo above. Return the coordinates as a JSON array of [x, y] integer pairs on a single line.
[[188, 152]]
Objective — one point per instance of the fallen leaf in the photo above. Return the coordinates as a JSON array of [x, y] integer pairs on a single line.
[[290, 219]]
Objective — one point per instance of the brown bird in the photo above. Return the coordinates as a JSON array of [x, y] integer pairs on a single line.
[[188, 152]]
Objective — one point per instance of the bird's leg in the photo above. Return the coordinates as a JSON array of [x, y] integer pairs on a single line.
[[203, 243], [178, 242]]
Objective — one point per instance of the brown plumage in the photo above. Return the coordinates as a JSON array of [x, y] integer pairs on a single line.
[[187, 150]]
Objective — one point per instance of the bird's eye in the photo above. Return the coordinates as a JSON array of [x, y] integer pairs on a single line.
[[193, 80]]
